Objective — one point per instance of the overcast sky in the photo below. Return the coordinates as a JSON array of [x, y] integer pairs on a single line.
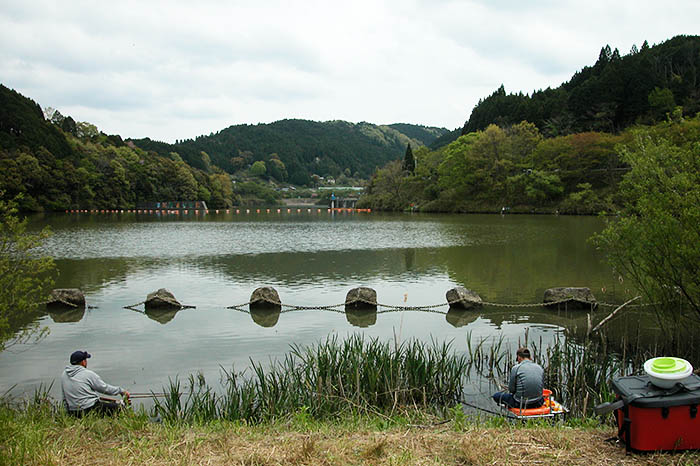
[[174, 70]]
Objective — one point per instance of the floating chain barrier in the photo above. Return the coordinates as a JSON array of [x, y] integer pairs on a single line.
[[387, 308], [43, 303]]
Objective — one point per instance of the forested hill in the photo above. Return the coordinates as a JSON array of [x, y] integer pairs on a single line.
[[642, 86], [304, 147], [56, 163]]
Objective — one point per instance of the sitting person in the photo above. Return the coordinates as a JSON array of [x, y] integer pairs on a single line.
[[82, 388], [525, 384]]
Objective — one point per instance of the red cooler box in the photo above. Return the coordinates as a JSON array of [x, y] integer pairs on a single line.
[[658, 419]]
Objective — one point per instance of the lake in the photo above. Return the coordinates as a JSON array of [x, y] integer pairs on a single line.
[[312, 258]]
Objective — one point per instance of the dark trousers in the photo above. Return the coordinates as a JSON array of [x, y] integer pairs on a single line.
[[507, 398], [101, 408]]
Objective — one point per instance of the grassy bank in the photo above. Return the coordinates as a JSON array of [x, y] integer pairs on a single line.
[[354, 401], [41, 436]]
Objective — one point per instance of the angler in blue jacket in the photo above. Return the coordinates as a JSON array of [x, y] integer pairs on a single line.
[[82, 388]]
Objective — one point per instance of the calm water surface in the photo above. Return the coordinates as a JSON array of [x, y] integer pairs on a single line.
[[217, 260]]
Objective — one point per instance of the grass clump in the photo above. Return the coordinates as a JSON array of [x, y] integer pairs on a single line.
[[356, 375]]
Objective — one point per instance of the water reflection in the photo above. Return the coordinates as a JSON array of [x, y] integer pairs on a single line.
[[67, 314], [409, 260], [265, 315], [461, 317], [362, 317], [163, 315]]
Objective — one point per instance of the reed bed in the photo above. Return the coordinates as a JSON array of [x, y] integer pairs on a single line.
[[357, 375]]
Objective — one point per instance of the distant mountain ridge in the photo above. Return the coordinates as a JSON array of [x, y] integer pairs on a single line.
[[305, 147], [616, 92]]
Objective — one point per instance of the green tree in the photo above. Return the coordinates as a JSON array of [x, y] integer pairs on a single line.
[[184, 183], [656, 240], [409, 163], [661, 102], [258, 168], [276, 168], [535, 187], [25, 277]]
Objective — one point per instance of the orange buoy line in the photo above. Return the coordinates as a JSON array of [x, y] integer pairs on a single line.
[[344, 210]]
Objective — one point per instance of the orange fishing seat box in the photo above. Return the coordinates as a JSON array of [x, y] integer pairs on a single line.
[[653, 418]]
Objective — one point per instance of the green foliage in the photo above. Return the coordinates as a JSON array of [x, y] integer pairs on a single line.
[[325, 381], [534, 186], [22, 124], [516, 167], [258, 168], [303, 147], [25, 276], [409, 163], [583, 201], [90, 170], [661, 103], [390, 189], [615, 93], [460, 418], [656, 240], [251, 193]]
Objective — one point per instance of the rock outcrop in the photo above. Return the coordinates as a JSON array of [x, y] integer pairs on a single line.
[[361, 298], [161, 299], [462, 298], [570, 297], [66, 298], [265, 298]]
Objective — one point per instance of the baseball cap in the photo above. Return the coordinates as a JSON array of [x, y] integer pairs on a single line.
[[78, 356]]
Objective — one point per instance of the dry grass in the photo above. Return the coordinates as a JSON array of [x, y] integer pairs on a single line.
[[228, 444]]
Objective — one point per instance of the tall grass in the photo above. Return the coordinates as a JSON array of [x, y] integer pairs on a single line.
[[357, 375]]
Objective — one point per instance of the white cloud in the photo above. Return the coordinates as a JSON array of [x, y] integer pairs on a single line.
[[173, 70]]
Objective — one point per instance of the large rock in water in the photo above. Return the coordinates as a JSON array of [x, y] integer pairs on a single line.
[[265, 297], [66, 297], [462, 298], [361, 298], [572, 297], [162, 299]]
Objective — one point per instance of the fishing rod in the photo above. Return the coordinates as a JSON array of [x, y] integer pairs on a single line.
[[154, 395]]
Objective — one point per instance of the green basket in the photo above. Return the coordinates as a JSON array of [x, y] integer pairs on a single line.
[[669, 365]]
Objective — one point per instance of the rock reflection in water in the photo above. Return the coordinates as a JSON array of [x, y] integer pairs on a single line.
[[363, 317], [265, 315], [460, 317], [67, 314], [162, 316]]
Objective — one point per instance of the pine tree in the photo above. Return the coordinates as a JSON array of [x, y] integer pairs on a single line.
[[409, 163]]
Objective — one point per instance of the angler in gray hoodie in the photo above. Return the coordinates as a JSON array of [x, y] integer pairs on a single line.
[[82, 388], [525, 384]]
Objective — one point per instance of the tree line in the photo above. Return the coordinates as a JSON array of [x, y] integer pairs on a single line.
[[58, 164], [516, 168], [640, 87]]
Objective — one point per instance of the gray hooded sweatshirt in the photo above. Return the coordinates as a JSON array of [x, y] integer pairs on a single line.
[[81, 387], [526, 381]]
